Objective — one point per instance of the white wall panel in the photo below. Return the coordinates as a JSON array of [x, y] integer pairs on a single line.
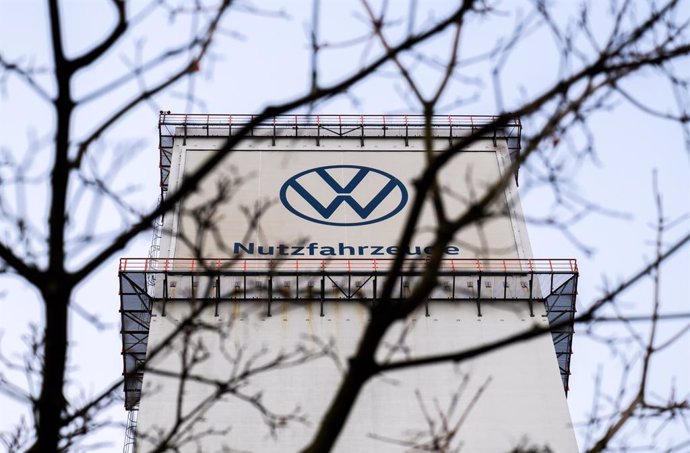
[[523, 402]]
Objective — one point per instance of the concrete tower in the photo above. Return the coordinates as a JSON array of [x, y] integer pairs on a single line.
[[277, 257]]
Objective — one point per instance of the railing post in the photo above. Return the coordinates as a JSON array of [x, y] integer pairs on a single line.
[[450, 130], [407, 136], [270, 294], [361, 121], [318, 130], [184, 139], [323, 294]]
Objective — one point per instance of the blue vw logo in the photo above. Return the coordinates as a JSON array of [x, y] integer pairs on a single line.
[[368, 196]]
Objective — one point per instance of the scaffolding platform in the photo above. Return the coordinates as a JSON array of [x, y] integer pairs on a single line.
[[148, 283], [325, 127]]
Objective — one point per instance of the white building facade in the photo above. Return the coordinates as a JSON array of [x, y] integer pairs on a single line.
[[269, 269]]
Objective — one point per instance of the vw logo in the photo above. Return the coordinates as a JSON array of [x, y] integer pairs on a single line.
[[344, 195]]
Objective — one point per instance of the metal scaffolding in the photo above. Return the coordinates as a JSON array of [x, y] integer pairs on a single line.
[[147, 285], [325, 127]]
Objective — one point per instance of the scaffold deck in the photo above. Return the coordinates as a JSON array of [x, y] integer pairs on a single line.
[[146, 283]]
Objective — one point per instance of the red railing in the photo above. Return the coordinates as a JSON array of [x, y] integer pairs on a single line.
[[342, 265]]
